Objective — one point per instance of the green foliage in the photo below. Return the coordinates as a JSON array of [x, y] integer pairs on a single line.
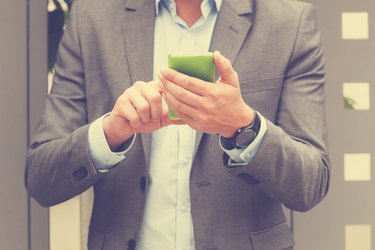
[[349, 103]]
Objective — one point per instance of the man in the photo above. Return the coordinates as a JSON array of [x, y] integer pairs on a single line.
[[215, 179]]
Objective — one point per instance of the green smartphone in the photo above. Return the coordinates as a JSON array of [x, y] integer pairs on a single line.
[[200, 66]]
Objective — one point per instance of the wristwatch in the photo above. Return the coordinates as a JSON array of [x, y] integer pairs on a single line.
[[244, 136]]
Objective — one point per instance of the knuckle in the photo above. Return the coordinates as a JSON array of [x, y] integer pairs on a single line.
[[129, 92], [205, 120], [138, 84], [172, 77], [183, 109], [125, 93], [180, 93], [143, 108], [211, 108], [145, 118], [122, 100], [214, 93], [188, 82], [155, 116], [156, 85], [135, 122], [211, 118], [155, 98], [118, 112], [204, 106], [126, 113], [177, 106], [162, 80]]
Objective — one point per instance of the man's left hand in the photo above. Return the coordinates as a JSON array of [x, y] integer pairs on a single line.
[[210, 108]]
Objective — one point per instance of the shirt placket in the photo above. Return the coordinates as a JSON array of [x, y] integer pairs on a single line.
[[185, 144], [183, 214]]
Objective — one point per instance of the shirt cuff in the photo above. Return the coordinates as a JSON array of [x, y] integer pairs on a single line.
[[101, 155], [240, 157]]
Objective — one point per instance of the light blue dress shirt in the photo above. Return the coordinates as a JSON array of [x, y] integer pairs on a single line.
[[167, 222]]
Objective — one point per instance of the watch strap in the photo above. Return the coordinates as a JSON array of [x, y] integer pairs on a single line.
[[230, 143]]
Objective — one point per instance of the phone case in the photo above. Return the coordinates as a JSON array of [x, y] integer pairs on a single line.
[[201, 66]]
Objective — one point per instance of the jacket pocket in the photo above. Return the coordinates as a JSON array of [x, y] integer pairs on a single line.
[[95, 239], [260, 85], [274, 238]]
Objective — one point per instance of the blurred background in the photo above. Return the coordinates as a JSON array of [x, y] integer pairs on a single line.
[[29, 35]]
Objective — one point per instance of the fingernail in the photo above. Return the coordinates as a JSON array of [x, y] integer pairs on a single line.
[[221, 57]]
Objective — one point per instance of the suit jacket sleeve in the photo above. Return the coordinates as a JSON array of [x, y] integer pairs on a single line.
[[58, 164], [292, 163]]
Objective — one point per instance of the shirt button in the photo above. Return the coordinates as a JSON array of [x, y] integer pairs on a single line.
[[183, 208]]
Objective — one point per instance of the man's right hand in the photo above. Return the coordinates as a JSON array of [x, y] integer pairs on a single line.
[[137, 110]]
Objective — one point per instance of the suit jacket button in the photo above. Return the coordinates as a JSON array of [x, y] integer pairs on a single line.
[[131, 244], [80, 173], [143, 183]]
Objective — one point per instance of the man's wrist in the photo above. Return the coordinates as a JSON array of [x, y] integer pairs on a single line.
[[245, 118], [244, 136], [101, 155], [238, 157], [115, 140]]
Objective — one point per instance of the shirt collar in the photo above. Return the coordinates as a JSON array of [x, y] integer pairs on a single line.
[[215, 3]]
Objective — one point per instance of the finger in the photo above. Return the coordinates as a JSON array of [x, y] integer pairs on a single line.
[[181, 109], [184, 119], [129, 113], [182, 94], [225, 69], [165, 121], [192, 84], [141, 106], [152, 94], [156, 85]]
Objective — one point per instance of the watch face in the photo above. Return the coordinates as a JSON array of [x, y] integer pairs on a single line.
[[245, 138]]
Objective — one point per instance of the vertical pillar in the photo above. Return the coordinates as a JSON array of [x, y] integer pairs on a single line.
[[13, 128]]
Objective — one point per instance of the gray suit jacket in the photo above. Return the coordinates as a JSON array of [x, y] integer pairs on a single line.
[[108, 45]]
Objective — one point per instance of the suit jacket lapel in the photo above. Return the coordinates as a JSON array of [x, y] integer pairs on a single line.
[[232, 27], [138, 33]]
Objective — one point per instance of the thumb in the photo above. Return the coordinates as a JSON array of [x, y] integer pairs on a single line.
[[226, 71]]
